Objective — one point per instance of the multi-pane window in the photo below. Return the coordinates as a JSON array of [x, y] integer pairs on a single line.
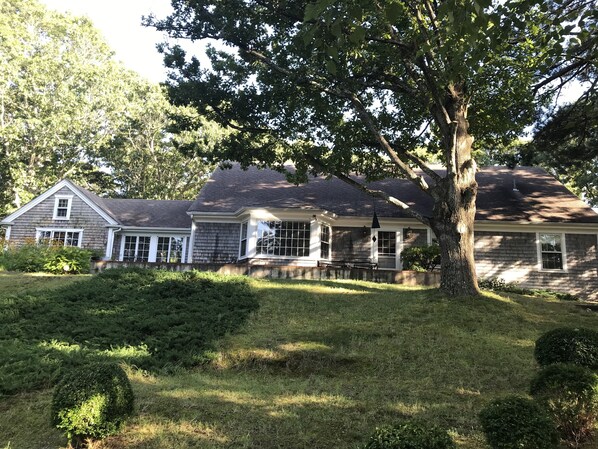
[[551, 250], [136, 248], [62, 208], [387, 243], [414, 237], [59, 237], [243, 246], [325, 242], [169, 249], [283, 238]]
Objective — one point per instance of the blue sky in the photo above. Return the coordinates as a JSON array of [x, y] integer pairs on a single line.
[[120, 23]]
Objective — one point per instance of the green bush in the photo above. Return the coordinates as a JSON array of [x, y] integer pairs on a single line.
[[568, 345], [570, 393], [410, 435], [421, 258], [517, 423], [32, 257], [68, 260], [500, 285], [92, 402]]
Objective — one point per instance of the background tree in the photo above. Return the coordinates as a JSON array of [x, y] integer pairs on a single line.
[[356, 86], [68, 109], [143, 157]]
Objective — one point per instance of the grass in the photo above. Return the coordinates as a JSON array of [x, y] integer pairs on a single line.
[[321, 364]]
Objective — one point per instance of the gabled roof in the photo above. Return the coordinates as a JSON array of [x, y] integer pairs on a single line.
[[538, 196], [169, 214]]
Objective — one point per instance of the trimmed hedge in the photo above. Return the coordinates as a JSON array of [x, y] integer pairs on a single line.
[[568, 345], [570, 393], [517, 423], [92, 402], [410, 435], [421, 258]]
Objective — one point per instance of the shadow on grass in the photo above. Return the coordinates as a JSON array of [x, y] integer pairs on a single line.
[[148, 318]]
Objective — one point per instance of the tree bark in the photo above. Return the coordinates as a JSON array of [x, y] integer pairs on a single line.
[[454, 200]]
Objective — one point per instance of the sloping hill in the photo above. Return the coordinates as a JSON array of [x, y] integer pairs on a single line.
[[321, 364]]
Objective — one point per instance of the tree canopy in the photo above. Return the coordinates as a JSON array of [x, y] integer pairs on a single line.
[[68, 109], [360, 86]]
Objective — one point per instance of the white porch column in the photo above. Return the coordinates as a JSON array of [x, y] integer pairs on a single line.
[[109, 244]]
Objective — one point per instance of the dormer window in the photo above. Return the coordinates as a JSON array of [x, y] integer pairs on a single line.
[[62, 207]]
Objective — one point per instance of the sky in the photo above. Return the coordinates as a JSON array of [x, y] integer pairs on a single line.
[[120, 23]]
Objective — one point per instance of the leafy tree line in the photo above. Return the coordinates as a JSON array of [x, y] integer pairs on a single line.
[[358, 86], [68, 109]]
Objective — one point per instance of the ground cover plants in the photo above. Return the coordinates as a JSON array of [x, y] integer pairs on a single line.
[[316, 365]]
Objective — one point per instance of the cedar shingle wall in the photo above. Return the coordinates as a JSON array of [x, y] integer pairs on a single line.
[[351, 243], [216, 242], [513, 257], [82, 217]]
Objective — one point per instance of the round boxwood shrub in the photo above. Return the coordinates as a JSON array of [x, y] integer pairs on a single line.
[[92, 402], [570, 393], [568, 345], [518, 423], [410, 435]]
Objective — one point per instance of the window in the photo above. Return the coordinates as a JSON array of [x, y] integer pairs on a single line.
[[551, 251], [325, 242], [59, 237], [414, 237], [62, 207], [243, 245], [283, 238], [169, 249], [387, 243], [136, 248]]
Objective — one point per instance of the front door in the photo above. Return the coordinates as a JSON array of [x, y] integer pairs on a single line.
[[388, 245]]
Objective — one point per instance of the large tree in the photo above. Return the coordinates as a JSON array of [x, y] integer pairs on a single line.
[[69, 109], [357, 86]]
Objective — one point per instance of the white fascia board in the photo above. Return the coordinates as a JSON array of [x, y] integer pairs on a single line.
[[262, 213], [522, 226], [154, 230], [48, 193], [384, 222]]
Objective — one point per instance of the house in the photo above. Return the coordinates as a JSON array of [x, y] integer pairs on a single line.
[[529, 228]]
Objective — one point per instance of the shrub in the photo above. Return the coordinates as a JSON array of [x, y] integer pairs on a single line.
[[410, 435], [32, 257], [421, 258], [92, 402], [570, 393], [500, 285], [517, 423], [568, 345], [68, 260]]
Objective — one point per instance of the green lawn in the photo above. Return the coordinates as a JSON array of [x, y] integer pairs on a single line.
[[320, 365]]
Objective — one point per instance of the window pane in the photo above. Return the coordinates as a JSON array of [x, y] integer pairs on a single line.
[[325, 242], [552, 261], [387, 243], [162, 249], [129, 249], [176, 250], [414, 237], [72, 239], [550, 242], [283, 238], [143, 249]]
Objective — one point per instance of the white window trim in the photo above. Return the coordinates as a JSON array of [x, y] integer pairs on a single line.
[[563, 252], [314, 234], [57, 198], [38, 231], [153, 248], [244, 237], [322, 225]]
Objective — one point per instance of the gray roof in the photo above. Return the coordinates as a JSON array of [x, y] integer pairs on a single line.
[[539, 196], [144, 213]]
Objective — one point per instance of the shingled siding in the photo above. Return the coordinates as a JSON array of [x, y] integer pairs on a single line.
[[82, 217], [216, 242], [513, 256], [351, 243]]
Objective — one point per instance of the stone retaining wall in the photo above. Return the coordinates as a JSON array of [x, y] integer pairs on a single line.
[[288, 272]]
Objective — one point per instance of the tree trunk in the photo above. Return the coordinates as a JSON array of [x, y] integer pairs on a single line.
[[454, 201]]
